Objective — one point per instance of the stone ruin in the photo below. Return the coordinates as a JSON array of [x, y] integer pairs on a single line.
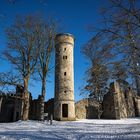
[[120, 102], [11, 106], [87, 109]]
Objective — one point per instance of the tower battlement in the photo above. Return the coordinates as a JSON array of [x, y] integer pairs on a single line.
[[10, 95], [64, 38]]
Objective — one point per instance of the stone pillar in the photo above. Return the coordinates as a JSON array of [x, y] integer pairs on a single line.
[[121, 102], [64, 106]]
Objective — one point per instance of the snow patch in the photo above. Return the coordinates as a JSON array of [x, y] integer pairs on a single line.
[[74, 130]]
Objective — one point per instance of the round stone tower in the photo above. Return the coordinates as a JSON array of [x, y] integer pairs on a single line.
[[64, 106]]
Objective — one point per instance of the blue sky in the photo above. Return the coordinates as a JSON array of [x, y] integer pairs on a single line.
[[74, 15]]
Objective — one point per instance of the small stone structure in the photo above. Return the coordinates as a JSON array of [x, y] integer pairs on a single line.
[[64, 106], [120, 102], [10, 107], [87, 109]]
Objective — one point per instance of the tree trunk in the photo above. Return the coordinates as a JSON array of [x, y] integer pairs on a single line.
[[26, 100], [42, 100]]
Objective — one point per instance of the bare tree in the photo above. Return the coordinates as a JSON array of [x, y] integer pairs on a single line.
[[22, 51], [47, 32], [98, 54], [119, 71], [9, 78], [8, 81], [123, 23], [121, 27]]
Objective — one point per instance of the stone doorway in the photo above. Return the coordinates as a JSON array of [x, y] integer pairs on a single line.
[[65, 110]]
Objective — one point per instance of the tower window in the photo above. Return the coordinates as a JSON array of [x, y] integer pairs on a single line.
[[64, 57], [64, 49], [65, 73]]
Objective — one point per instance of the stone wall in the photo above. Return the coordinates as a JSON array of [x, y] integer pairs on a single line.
[[10, 108], [49, 107], [119, 101], [110, 107], [87, 109], [35, 106]]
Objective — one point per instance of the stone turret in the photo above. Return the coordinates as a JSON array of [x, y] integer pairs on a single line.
[[64, 106]]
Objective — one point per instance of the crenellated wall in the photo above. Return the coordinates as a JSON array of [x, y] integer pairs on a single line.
[[10, 107]]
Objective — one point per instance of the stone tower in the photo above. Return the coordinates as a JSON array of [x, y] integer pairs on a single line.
[[64, 106]]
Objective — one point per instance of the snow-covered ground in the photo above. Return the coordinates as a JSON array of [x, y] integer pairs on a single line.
[[127, 129]]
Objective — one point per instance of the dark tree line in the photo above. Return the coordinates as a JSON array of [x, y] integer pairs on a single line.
[[115, 46]]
